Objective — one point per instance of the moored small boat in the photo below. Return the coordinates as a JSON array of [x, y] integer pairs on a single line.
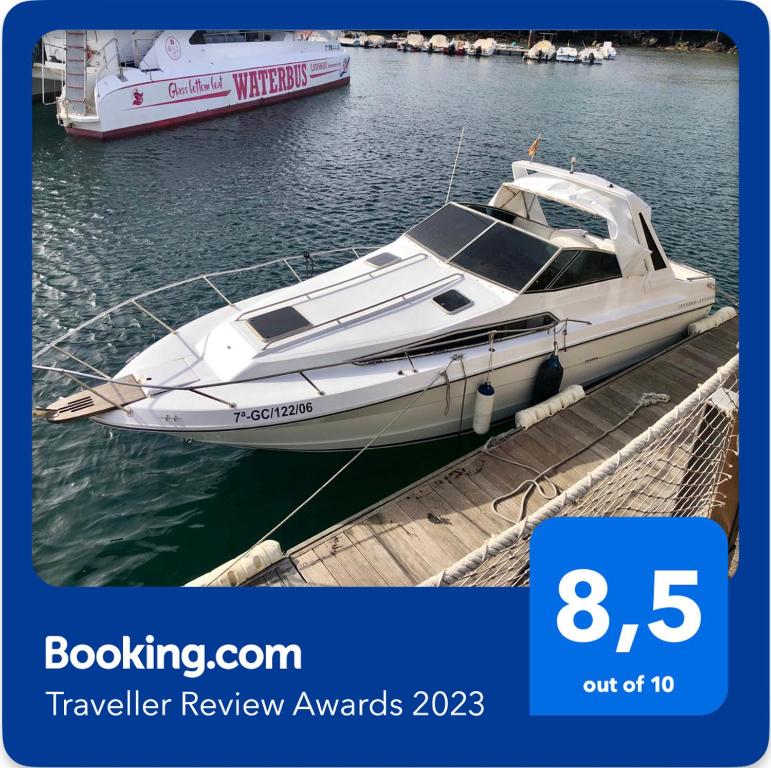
[[508, 49], [543, 50], [608, 51], [589, 56], [567, 54], [413, 42], [435, 44], [483, 46], [353, 40]]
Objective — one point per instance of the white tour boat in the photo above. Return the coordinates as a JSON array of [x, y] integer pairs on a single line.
[[396, 343], [567, 54], [186, 75], [543, 50]]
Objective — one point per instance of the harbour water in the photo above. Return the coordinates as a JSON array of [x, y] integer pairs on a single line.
[[356, 165]]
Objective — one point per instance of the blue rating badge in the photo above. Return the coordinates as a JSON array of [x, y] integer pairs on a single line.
[[628, 616]]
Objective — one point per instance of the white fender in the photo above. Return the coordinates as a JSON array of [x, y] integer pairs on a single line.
[[711, 321], [529, 416], [241, 568], [483, 408]]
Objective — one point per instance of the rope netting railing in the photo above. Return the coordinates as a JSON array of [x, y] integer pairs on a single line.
[[679, 467]]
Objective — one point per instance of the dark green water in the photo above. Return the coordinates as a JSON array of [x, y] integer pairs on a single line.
[[357, 165]]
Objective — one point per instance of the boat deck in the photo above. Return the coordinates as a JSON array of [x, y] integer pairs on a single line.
[[417, 532]]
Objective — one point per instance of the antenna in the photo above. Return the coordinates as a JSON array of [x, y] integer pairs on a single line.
[[455, 165]]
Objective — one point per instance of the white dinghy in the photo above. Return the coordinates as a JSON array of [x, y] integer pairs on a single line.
[[396, 343], [567, 54]]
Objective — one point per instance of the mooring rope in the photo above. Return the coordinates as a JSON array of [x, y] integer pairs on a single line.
[[534, 483], [578, 490], [335, 475]]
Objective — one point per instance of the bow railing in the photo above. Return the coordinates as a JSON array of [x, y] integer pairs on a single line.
[[295, 265]]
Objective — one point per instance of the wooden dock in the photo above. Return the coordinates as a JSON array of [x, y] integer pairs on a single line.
[[417, 532]]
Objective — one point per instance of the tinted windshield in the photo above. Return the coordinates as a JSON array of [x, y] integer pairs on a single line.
[[505, 255], [448, 230]]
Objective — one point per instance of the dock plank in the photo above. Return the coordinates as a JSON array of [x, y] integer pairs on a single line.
[[313, 571], [426, 527]]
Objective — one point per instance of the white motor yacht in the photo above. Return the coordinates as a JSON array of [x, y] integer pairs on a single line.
[[374, 41], [395, 344], [567, 54]]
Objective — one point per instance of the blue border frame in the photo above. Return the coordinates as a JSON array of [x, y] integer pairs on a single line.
[[409, 637]]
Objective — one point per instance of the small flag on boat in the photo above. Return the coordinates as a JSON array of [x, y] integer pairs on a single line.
[[533, 148]]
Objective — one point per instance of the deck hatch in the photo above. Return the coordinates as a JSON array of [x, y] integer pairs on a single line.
[[279, 322], [452, 301], [383, 259]]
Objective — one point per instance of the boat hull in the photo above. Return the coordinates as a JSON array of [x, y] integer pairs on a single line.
[[80, 129], [441, 411], [135, 100]]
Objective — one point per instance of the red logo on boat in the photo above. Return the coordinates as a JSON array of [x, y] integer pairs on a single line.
[[137, 96], [173, 48]]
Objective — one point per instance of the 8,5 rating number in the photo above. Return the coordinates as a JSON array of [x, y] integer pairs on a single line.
[[591, 605]]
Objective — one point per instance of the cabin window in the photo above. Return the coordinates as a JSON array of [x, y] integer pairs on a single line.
[[448, 230], [587, 267], [280, 322], [452, 301], [551, 271], [560, 216], [208, 36], [656, 257], [496, 213], [507, 256], [470, 337]]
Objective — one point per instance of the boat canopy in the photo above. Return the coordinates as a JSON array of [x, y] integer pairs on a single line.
[[620, 208]]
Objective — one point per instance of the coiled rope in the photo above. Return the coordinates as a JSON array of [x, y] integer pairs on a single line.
[[541, 481]]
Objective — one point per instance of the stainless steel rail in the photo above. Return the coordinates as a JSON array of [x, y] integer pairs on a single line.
[[308, 295], [134, 302], [206, 278]]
